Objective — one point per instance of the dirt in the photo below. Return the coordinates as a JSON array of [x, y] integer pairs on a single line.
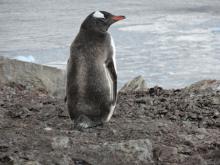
[[156, 126]]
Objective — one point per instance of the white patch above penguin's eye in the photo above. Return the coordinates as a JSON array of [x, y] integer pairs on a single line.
[[98, 14]]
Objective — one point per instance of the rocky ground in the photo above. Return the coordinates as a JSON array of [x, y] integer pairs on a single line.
[[155, 127]]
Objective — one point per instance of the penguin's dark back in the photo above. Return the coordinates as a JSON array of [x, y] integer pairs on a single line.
[[87, 55]]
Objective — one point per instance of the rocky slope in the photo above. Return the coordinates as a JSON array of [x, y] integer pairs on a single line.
[[155, 127]]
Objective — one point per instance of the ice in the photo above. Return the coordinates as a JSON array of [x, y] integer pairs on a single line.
[[25, 58]]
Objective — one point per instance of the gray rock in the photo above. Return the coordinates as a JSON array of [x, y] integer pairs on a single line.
[[137, 84], [195, 159], [33, 76], [32, 163], [129, 152], [20, 112], [216, 100], [166, 154], [217, 123], [205, 84], [136, 150], [60, 142]]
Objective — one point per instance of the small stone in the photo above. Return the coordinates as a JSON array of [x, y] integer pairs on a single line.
[[195, 159], [193, 116], [140, 101], [20, 112], [173, 117], [1, 102], [184, 149], [60, 142], [156, 91], [32, 163], [217, 122], [48, 128], [216, 100], [201, 136], [4, 148], [7, 160], [202, 131], [216, 113], [166, 154]]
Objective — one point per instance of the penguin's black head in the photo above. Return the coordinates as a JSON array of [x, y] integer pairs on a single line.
[[100, 21]]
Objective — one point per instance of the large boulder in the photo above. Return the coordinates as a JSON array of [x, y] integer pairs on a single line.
[[137, 84], [33, 76], [204, 85]]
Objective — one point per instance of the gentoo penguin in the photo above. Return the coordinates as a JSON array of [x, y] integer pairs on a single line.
[[91, 89]]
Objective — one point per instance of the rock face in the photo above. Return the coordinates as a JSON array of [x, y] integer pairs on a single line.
[[154, 127], [137, 84], [32, 76]]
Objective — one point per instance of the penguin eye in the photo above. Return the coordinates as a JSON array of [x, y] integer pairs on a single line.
[[102, 19]]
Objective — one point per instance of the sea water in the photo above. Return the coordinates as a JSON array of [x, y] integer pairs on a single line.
[[172, 43]]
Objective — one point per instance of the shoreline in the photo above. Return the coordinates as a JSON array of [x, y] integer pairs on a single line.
[[20, 68]]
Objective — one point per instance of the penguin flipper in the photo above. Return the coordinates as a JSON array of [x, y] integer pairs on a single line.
[[112, 71], [83, 122]]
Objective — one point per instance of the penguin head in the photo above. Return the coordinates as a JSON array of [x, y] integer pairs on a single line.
[[100, 21]]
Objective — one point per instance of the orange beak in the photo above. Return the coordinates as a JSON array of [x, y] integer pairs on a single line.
[[118, 18]]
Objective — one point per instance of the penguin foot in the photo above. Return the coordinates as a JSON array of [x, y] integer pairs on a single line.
[[83, 122]]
